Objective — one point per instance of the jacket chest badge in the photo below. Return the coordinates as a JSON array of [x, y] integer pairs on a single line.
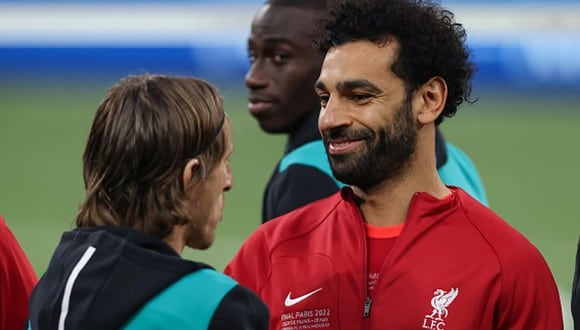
[[440, 301]]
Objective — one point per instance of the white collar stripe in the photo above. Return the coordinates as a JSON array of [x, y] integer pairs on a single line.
[[69, 285]]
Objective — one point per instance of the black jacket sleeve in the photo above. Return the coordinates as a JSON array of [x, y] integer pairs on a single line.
[[240, 309], [297, 186]]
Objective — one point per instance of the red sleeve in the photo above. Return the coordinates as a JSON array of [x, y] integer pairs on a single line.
[[17, 278], [530, 298], [251, 265]]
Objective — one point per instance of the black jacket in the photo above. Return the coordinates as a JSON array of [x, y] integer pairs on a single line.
[[101, 278]]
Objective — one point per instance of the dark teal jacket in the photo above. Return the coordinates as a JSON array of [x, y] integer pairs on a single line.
[[119, 278]]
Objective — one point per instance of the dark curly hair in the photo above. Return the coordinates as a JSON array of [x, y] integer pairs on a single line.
[[431, 42]]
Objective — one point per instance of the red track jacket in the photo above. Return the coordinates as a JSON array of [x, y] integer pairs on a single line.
[[17, 278], [456, 265]]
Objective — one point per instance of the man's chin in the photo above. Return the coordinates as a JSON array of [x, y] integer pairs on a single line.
[[202, 246], [200, 241]]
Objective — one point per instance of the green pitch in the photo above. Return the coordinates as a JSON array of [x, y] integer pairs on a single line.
[[525, 148]]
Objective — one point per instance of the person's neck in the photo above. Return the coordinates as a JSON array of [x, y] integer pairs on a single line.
[[387, 204]]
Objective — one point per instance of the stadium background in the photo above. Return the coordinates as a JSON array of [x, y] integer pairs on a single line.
[[57, 58]]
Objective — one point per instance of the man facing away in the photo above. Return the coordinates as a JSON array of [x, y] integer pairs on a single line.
[[156, 167], [283, 68], [397, 248]]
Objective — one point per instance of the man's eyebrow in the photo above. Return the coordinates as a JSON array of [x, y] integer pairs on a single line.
[[358, 83], [319, 85], [271, 40], [274, 41], [277, 40]]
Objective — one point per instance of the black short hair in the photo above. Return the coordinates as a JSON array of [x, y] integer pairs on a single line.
[[306, 4], [431, 42]]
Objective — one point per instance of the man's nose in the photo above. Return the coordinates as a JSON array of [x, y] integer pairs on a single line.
[[229, 184], [255, 77], [332, 115]]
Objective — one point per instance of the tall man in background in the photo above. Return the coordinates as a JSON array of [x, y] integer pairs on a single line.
[[396, 249], [284, 66]]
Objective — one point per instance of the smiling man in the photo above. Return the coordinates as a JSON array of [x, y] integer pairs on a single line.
[[284, 65], [397, 248]]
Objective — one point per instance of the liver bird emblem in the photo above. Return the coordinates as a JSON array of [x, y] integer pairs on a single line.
[[441, 301]]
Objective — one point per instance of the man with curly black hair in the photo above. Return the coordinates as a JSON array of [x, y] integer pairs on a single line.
[[284, 65], [396, 249]]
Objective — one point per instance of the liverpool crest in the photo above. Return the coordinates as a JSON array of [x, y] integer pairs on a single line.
[[440, 301]]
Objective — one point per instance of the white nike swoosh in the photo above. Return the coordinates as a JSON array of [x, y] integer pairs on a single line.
[[290, 302]]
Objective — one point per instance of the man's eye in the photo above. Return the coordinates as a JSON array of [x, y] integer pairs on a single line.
[[251, 57], [360, 98], [280, 58], [323, 100]]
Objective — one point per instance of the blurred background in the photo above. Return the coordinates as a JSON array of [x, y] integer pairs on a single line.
[[57, 58]]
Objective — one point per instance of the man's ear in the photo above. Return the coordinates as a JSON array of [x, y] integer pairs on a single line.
[[432, 96], [191, 166]]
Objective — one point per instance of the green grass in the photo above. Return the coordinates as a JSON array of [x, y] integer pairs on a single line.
[[525, 148]]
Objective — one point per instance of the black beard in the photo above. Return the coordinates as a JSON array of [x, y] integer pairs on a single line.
[[385, 156]]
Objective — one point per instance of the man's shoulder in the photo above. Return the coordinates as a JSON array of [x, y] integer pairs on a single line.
[[307, 213], [508, 244], [4, 229], [203, 279], [181, 304], [302, 219]]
